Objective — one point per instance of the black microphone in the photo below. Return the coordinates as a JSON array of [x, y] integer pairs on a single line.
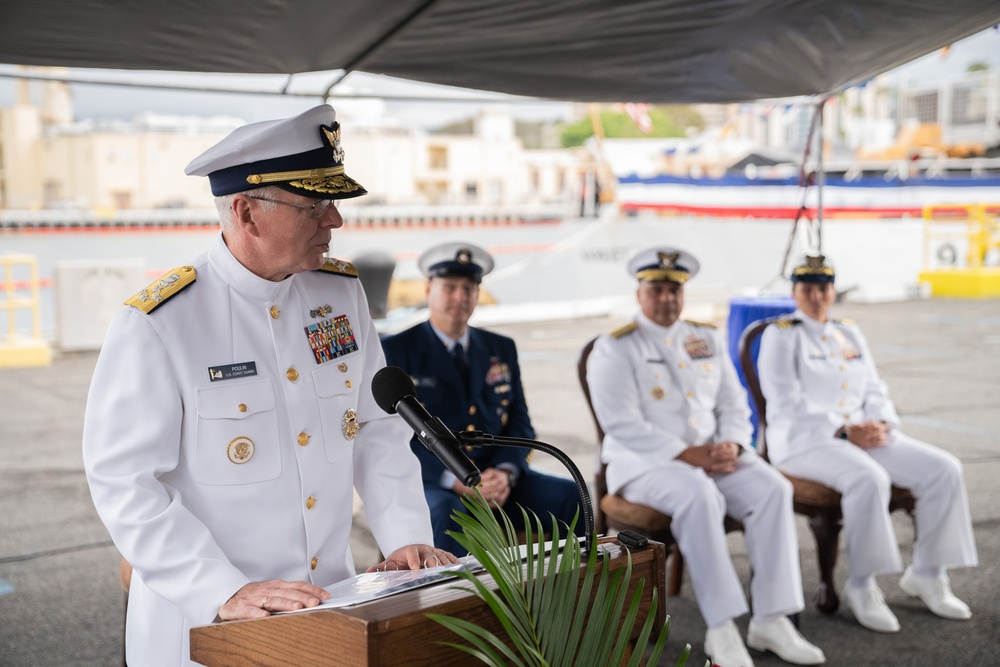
[[394, 392]]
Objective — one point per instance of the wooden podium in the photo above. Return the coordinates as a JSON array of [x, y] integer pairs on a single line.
[[393, 630]]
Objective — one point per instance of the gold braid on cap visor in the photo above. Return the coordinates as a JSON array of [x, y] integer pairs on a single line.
[[284, 176], [664, 274], [339, 184], [813, 271]]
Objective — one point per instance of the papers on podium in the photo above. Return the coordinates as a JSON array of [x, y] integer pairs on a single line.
[[374, 585]]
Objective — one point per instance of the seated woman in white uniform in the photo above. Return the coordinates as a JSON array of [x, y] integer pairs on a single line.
[[830, 419]]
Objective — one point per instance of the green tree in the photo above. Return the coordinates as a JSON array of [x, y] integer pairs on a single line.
[[462, 127], [671, 120]]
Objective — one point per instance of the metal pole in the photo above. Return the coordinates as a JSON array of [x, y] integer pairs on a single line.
[[820, 178]]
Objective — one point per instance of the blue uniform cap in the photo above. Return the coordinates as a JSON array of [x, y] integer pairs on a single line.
[[815, 269], [663, 263], [456, 259], [301, 154]]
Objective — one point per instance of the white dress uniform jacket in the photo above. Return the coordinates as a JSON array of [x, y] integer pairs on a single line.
[[820, 376], [208, 480], [817, 377], [659, 390]]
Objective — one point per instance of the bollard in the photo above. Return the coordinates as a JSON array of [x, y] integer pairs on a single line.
[[375, 271]]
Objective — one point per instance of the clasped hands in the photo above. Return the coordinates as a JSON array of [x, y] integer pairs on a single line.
[[494, 484], [867, 435], [716, 459], [259, 598]]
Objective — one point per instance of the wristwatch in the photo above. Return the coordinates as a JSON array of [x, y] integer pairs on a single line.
[[511, 476]]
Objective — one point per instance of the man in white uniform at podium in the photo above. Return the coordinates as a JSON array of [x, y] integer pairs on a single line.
[[231, 417]]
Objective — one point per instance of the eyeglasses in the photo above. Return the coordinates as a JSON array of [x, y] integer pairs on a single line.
[[316, 211]]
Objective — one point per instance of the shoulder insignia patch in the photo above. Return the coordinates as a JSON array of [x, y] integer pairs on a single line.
[[702, 324], [844, 320], [339, 267], [623, 331], [162, 289], [786, 322]]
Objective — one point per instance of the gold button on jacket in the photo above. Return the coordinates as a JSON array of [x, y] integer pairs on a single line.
[[825, 366], [292, 374], [202, 420]]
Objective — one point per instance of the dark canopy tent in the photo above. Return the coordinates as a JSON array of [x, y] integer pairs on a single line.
[[584, 50]]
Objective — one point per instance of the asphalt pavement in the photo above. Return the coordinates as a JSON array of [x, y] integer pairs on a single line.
[[61, 603]]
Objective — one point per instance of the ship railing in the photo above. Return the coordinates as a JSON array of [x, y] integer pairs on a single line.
[[368, 216]]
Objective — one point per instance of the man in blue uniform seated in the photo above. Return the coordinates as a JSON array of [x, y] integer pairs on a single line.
[[471, 380]]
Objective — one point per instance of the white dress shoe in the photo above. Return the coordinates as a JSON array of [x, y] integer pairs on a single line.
[[870, 609], [781, 638], [936, 594], [725, 647]]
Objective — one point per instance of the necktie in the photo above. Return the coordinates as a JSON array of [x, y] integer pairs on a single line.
[[458, 356]]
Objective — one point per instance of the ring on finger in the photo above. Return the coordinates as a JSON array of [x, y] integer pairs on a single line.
[[264, 601]]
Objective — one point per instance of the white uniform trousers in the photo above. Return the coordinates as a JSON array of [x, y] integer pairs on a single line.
[[864, 478], [755, 494]]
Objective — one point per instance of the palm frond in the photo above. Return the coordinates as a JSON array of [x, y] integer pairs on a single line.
[[484, 641], [553, 612], [580, 616], [596, 627]]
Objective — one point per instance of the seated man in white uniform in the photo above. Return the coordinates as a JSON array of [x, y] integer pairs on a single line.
[[231, 417], [830, 419], [677, 429]]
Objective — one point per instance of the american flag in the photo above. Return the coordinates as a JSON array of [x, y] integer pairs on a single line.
[[639, 113]]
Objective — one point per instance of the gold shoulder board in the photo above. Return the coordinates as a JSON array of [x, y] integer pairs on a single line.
[[786, 323], [163, 288], [339, 267], [844, 320], [623, 331], [702, 324]]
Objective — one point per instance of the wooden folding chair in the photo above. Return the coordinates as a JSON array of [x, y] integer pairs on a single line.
[[818, 502], [613, 511], [125, 578]]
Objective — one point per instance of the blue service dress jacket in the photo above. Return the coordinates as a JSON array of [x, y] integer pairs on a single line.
[[494, 404]]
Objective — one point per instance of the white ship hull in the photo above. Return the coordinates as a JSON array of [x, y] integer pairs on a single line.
[[553, 269], [880, 196]]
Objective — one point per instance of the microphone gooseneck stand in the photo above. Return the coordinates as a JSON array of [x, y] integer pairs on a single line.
[[480, 439]]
